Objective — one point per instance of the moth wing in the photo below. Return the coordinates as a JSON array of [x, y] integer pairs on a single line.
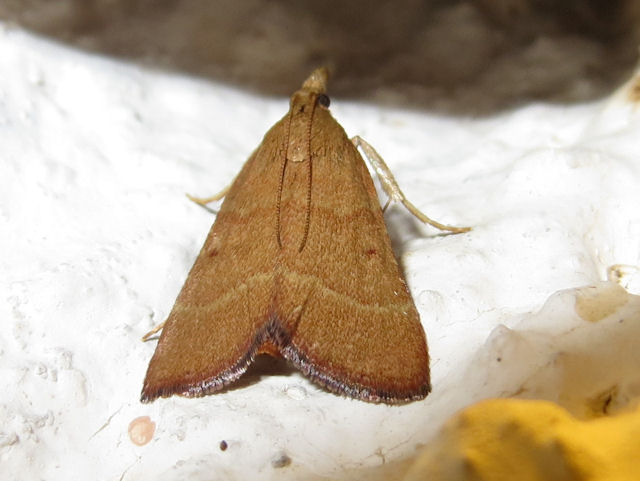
[[343, 300], [214, 328]]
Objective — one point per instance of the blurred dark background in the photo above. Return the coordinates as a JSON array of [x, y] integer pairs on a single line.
[[459, 57]]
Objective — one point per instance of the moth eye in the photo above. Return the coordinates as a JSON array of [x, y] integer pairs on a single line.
[[323, 100]]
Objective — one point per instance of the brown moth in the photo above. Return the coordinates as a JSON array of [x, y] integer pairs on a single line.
[[299, 264]]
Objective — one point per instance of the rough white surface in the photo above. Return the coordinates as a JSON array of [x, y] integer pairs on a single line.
[[97, 238]]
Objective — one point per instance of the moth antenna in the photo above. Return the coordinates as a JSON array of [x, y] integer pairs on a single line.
[[307, 220], [281, 183]]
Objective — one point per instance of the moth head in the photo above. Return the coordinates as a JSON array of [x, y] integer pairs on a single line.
[[313, 90]]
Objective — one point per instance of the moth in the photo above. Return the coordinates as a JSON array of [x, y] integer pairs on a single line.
[[299, 265]]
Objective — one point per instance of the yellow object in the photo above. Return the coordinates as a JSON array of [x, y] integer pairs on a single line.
[[519, 440]]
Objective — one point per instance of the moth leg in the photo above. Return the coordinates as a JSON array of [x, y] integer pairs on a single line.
[[214, 197], [392, 189], [146, 337]]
